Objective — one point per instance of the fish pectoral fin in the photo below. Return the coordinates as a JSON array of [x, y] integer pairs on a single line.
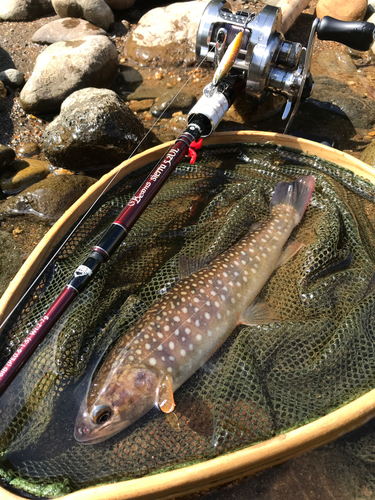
[[165, 396], [289, 251], [259, 313]]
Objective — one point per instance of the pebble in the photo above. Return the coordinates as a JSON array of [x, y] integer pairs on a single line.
[[96, 12], [91, 61], [24, 10], [94, 129], [12, 78], [28, 149], [49, 198], [7, 155], [175, 42], [144, 105], [68, 28], [353, 10], [368, 155], [23, 173]]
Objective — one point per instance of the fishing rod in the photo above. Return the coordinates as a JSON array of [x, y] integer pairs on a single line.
[[251, 55]]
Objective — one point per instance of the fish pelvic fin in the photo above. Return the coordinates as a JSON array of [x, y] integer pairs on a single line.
[[165, 395], [296, 194], [258, 313], [289, 251]]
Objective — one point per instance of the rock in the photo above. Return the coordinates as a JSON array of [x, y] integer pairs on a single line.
[[48, 198], [175, 42], [68, 28], [24, 10], [23, 173], [28, 149], [7, 155], [95, 11], [3, 90], [339, 97], [355, 10], [95, 128], [12, 78], [144, 105], [64, 67], [120, 4], [130, 75], [10, 260], [169, 100], [368, 155]]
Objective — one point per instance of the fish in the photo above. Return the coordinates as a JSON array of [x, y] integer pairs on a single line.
[[184, 328], [227, 60]]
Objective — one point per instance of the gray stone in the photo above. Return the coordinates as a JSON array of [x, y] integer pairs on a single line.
[[49, 198], [68, 28], [175, 42], [95, 128], [12, 78], [171, 102], [130, 75], [95, 11], [64, 67], [7, 155], [339, 97], [120, 4], [24, 10]]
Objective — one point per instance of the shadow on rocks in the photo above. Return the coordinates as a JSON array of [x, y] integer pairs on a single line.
[[6, 62], [6, 128]]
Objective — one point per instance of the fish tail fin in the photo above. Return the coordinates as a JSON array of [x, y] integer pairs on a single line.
[[297, 193]]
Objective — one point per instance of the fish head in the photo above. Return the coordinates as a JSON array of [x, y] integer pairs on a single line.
[[111, 407]]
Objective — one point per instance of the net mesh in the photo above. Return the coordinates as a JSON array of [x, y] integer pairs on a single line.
[[266, 379]]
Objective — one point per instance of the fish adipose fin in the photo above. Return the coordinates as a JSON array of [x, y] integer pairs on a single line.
[[165, 396], [259, 313], [297, 193]]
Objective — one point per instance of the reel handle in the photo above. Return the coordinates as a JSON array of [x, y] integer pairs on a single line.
[[358, 35]]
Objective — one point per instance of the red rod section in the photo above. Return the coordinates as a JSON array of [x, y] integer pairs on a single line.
[[35, 337]]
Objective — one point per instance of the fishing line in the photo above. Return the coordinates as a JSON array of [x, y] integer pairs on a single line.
[[105, 189]]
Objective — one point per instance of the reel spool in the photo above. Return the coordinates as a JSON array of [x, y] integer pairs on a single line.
[[265, 60]]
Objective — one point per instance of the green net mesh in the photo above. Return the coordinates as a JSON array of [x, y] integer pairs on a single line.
[[265, 380]]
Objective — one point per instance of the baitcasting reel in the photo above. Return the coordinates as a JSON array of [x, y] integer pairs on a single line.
[[265, 61]]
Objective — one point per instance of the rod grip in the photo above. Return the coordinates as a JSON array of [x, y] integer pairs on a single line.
[[358, 35]]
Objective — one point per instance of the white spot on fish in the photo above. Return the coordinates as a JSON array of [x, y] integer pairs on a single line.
[[138, 351], [153, 361], [171, 345], [184, 310], [160, 347], [187, 331], [160, 335], [166, 328], [199, 337], [171, 358], [148, 346], [197, 322], [207, 315], [183, 352], [191, 347], [169, 369], [176, 319]]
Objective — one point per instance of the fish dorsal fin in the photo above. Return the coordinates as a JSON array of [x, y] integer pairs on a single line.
[[190, 265], [258, 313], [289, 251], [165, 396]]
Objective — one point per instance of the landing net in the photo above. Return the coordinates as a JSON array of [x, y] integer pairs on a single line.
[[265, 380]]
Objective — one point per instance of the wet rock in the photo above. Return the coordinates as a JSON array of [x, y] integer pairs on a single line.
[[12, 78], [7, 155], [368, 155], [68, 28], [3, 90], [144, 105], [95, 128], [183, 101], [23, 173], [120, 4], [95, 11], [130, 75], [28, 149], [334, 62], [338, 96], [144, 92], [175, 42], [10, 260], [24, 10], [354, 10], [48, 198], [64, 67]]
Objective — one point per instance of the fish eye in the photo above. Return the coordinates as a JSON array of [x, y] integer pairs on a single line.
[[101, 414]]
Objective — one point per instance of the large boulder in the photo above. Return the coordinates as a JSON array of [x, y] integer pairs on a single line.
[[96, 11], [24, 10], [64, 67], [175, 43], [94, 129]]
